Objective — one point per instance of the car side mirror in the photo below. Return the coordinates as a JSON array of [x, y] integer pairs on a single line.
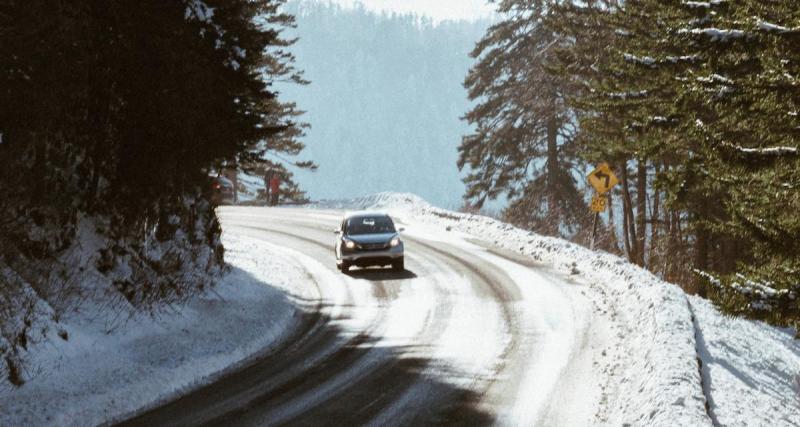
[[401, 229], [337, 232]]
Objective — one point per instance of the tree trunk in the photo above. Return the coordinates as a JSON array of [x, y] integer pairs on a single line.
[[641, 211], [701, 258], [612, 229], [100, 99], [667, 248], [627, 216], [552, 175], [655, 223]]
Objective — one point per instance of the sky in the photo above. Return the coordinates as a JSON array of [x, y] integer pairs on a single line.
[[438, 10]]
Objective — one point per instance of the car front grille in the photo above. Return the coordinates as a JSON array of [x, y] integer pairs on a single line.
[[373, 246]]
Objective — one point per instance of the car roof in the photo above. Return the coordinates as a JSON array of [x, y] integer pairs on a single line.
[[360, 214]]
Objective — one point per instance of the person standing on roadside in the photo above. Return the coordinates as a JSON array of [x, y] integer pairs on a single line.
[[267, 183], [274, 188]]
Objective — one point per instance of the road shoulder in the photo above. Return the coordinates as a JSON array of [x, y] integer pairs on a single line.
[[106, 372]]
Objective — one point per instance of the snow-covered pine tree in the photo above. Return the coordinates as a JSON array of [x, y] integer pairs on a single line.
[[707, 93], [618, 112], [750, 92], [112, 116], [522, 144], [630, 115], [190, 86]]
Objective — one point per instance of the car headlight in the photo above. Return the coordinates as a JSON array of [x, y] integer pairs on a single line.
[[349, 244], [395, 242]]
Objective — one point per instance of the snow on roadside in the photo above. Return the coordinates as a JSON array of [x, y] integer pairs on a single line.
[[752, 369], [100, 375]]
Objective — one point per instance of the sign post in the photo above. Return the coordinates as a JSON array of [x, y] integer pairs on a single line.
[[603, 180]]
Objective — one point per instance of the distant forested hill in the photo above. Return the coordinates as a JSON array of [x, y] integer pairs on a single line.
[[384, 103]]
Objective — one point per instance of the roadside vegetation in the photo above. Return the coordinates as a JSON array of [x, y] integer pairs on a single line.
[[695, 106], [113, 116]]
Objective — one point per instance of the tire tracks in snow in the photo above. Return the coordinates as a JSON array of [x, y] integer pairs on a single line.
[[490, 284], [429, 336], [321, 367], [447, 343], [394, 390]]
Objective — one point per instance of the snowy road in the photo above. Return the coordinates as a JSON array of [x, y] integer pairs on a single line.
[[467, 335]]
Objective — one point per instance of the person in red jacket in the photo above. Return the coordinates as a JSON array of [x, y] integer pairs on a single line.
[[267, 178], [274, 188]]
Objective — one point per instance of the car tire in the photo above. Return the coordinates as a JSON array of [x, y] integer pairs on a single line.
[[399, 265], [345, 267]]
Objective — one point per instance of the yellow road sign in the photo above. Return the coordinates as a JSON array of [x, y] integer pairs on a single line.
[[599, 203], [603, 179]]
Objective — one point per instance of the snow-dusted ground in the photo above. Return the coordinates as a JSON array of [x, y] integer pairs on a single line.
[[538, 332], [638, 359], [751, 371], [101, 374]]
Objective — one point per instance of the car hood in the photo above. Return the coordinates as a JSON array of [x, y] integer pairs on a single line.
[[372, 238]]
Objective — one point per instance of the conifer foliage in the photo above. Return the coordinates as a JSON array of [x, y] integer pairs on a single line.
[[700, 99], [523, 144], [113, 114]]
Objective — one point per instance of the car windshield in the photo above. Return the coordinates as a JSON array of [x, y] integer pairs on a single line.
[[369, 225]]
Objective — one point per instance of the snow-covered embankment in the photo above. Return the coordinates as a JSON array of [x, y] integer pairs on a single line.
[[651, 368], [110, 368]]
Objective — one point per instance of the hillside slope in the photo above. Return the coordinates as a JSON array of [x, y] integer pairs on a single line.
[[749, 371]]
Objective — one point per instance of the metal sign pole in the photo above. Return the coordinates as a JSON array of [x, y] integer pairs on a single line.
[[594, 229]]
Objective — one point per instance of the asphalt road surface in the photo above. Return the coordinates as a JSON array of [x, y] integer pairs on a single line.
[[467, 335]]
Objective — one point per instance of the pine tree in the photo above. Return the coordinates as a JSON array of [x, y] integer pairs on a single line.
[[627, 117], [522, 145], [694, 89], [119, 111], [750, 128]]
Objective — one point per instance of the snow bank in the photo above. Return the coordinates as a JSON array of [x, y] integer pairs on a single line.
[[105, 370], [653, 373], [395, 201], [752, 369]]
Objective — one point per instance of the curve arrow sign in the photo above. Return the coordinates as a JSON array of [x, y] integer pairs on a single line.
[[603, 179]]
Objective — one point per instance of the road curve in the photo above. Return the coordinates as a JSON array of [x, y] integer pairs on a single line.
[[465, 336]]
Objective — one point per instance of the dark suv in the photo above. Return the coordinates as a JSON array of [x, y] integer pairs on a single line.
[[368, 239]]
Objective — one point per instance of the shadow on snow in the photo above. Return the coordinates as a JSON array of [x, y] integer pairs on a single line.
[[337, 378]]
